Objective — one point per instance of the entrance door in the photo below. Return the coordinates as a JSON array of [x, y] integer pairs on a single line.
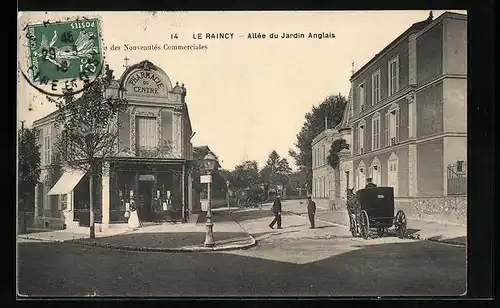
[[392, 172], [144, 206]]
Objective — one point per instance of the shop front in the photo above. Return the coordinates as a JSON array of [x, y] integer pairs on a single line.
[[158, 190]]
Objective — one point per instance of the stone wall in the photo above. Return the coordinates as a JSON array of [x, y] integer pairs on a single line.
[[440, 209]]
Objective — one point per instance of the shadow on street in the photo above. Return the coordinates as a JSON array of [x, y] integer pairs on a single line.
[[418, 268], [164, 239]]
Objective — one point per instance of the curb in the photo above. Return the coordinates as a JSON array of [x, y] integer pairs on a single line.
[[83, 241], [253, 242], [33, 238], [446, 242]]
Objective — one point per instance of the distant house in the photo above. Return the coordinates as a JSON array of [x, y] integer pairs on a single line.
[[406, 120], [199, 190], [152, 161]]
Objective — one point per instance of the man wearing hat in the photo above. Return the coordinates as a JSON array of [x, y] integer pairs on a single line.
[[276, 209], [311, 210], [369, 183]]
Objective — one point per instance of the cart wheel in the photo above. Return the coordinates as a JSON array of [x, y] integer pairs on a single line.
[[353, 227], [365, 225], [400, 224], [380, 232]]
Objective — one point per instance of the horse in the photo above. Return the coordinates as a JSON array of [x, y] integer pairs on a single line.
[[353, 208]]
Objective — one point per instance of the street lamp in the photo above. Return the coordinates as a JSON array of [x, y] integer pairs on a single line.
[[209, 162]]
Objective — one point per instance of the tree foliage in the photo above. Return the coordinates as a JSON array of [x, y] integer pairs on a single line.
[[29, 163], [332, 108], [298, 179], [333, 157], [218, 178], [244, 175], [276, 171], [88, 130], [88, 127]]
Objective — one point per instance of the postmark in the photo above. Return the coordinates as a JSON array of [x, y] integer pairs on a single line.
[[63, 55]]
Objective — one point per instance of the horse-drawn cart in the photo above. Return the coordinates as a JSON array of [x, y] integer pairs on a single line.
[[373, 208]]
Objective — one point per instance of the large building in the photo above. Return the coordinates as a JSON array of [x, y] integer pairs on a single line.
[[407, 119], [152, 161]]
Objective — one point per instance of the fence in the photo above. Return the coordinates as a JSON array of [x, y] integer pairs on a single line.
[[457, 178]]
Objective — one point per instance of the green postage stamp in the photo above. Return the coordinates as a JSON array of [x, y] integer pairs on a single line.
[[65, 50]]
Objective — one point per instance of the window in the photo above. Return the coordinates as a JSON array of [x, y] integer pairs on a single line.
[[47, 151], [392, 125], [324, 154], [376, 87], [147, 132], [375, 172], [376, 131], [320, 156], [63, 201], [325, 187], [361, 93], [361, 137], [393, 75], [360, 176]]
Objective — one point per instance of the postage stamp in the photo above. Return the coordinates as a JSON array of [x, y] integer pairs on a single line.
[[65, 52]]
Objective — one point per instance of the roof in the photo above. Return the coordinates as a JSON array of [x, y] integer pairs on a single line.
[[345, 124], [42, 120], [199, 153], [413, 28]]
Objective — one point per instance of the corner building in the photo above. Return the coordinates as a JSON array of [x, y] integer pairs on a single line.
[[408, 119], [151, 163]]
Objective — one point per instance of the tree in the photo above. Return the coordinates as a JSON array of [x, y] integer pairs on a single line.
[[276, 170], [333, 157], [298, 180], [244, 176], [333, 109], [29, 166], [88, 131], [218, 177]]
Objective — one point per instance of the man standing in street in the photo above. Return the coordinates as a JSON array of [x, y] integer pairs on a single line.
[[311, 210], [276, 209]]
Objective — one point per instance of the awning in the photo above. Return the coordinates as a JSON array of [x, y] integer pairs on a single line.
[[67, 182]]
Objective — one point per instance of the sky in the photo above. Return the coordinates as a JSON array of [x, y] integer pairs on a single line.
[[246, 97]]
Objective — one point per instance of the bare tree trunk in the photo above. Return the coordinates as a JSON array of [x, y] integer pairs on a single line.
[[91, 210]]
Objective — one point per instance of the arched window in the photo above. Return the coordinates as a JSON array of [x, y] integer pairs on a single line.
[[392, 125], [376, 172], [392, 173], [360, 176]]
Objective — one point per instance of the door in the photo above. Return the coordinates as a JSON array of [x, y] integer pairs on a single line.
[[144, 208], [392, 175]]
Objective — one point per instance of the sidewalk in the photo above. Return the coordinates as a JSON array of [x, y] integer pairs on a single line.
[[416, 228], [168, 237]]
